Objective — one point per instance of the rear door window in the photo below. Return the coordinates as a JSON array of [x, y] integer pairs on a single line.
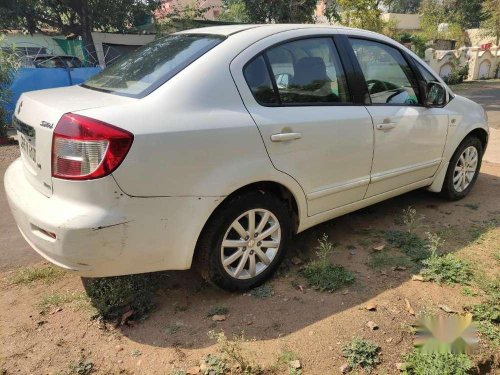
[[301, 72], [308, 71]]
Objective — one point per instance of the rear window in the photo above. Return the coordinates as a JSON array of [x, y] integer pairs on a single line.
[[141, 72]]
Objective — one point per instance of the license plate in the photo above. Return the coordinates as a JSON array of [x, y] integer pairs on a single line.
[[27, 148]]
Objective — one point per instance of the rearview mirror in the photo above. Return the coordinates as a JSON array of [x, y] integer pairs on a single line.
[[435, 96]]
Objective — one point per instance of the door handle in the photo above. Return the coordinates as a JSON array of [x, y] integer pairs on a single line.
[[386, 126], [285, 137]]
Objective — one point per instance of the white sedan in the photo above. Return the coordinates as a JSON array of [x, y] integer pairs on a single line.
[[215, 146]]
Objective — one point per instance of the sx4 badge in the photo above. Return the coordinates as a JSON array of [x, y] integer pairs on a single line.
[[46, 124]]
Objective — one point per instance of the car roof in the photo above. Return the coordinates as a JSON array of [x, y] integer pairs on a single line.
[[227, 30]]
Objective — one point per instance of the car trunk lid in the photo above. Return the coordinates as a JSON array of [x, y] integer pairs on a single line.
[[37, 114]]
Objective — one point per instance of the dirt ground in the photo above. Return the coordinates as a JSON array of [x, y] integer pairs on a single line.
[[46, 325], [312, 324]]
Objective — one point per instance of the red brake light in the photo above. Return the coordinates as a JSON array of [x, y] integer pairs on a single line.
[[85, 149]]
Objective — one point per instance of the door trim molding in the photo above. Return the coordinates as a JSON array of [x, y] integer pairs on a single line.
[[337, 188], [404, 170]]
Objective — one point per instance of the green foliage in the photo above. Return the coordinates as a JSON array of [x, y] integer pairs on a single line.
[[418, 42], [263, 291], [71, 16], [83, 367], [361, 353], [55, 300], [113, 296], [217, 310], [234, 11], [386, 259], [418, 363], [292, 11], [402, 6], [29, 275], [232, 351], [9, 63], [214, 365], [411, 244], [323, 276], [487, 314], [458, 73], [491, 24], [364, 14], [447, 269], [286, 356], [75, 17]]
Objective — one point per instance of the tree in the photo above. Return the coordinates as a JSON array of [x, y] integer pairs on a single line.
[[491, 9], [402, 6], [9, 63], [364, 14], [262, 11], [78, 17], [234, 11], [467, 13], [460, 15]]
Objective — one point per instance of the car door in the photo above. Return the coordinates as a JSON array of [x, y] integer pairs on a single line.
[[409, 138], [297, 93]]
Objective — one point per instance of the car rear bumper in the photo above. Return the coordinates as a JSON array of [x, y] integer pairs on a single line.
[[110, 234]]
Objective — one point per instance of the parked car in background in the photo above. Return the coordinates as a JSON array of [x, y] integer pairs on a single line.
[[189, 151], [50, 61]]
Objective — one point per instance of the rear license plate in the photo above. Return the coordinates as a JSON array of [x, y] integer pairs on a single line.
[[27, 147]]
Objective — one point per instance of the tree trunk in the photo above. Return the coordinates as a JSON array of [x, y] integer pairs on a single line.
[[86, 33]]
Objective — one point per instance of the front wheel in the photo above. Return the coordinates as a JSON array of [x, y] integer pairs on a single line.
[[245, 240], [463, 169]]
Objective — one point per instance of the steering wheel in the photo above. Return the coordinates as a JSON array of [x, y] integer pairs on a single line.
[[374, 86]]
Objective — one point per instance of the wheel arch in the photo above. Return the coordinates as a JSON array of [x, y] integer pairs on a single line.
[[477, 132], [277, 189]]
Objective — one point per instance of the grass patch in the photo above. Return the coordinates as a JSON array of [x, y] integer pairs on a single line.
[[55, 300], [232, 352], [173, 328], [418, 363], [322, 275], [214, 365], [29, 275], [385, 259], [487, 314], [411, 244], [113, 296], [217, 310], [286, 356], [263, 291], [472, 206], [447, 269], [83, 367], [362, 353]]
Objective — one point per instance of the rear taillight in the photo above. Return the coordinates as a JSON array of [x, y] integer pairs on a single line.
[[85, 149]]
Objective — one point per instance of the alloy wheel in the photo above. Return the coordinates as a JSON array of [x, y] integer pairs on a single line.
[[465, 169], [250, 244]]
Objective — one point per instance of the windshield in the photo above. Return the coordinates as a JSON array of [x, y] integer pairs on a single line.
[[139, 73]]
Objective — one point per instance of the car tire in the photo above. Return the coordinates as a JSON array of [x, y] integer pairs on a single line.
[[463, 169], [227, 235]]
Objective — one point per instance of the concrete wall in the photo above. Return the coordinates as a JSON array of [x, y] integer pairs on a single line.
[[407, 22], [483, 64]]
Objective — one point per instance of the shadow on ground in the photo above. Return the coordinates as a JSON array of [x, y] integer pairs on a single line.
[[183, 299]]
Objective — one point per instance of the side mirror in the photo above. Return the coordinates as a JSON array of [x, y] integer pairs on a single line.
[[435, 95]]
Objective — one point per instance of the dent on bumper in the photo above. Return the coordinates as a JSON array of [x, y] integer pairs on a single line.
[[119, 235]]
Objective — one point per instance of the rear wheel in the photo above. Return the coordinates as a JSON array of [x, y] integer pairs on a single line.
[[463, 169], [244, 241]]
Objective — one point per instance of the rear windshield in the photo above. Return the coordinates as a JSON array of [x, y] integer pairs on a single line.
[[139, 73]]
